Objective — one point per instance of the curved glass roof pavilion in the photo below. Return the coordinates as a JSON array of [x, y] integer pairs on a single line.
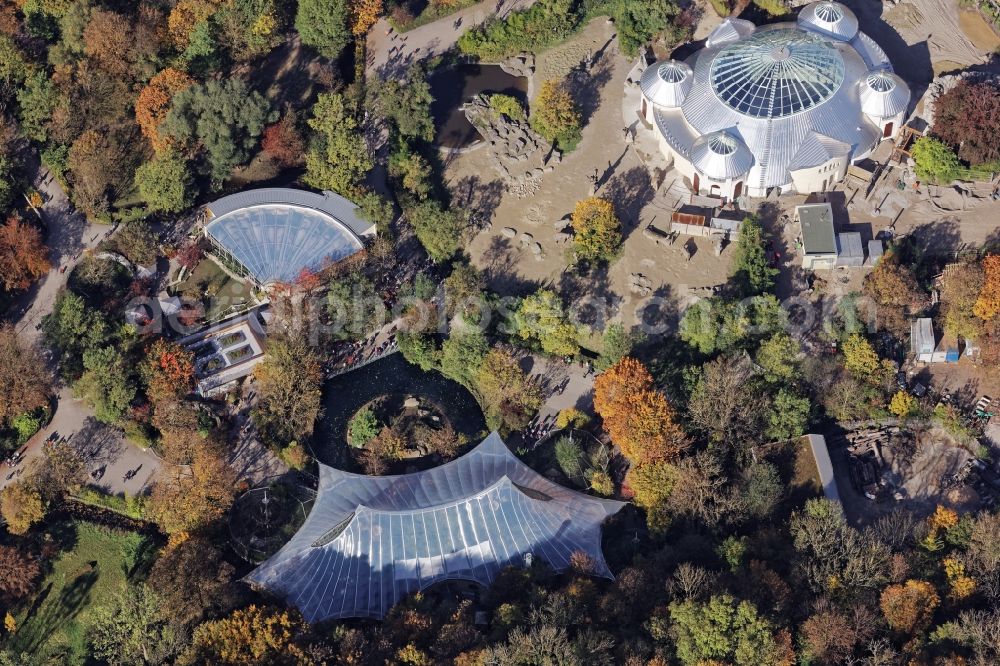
[[371, 540], [271, 235], [794, 95]]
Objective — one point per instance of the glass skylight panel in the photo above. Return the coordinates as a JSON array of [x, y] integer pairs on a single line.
[[776, 73]]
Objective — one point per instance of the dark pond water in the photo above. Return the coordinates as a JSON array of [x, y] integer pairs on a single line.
[[346, 394], [453, 86]]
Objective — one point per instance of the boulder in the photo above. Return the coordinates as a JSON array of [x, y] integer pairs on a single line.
[[508, 232]]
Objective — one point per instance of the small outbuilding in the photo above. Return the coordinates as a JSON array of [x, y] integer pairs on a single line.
[[819, 243], [850, 250]]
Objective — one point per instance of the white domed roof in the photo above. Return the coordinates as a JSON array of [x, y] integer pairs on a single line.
[[666, 83], [831, 19], [883, 94], [721, 155]]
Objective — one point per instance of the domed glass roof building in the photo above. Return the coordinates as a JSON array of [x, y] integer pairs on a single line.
[[786, 106]]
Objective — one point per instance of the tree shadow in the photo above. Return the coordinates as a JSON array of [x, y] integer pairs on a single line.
[[630, 192], [481, 200], [48, 617], [586, 83]]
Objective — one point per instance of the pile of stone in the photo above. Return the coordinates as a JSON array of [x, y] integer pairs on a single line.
[[522, 65], [640, 284], [519, 154]]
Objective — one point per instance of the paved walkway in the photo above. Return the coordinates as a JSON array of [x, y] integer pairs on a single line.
[[109, 457], [114, 465], [390, 53]]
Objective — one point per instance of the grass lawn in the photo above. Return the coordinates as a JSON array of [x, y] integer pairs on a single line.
[[211, 285], [92, 564]]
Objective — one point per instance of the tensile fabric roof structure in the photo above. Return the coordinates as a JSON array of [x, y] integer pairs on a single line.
[[371, 540]]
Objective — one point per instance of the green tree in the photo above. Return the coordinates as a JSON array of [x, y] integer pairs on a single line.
[[462, 354], [438, 230], [419, 349], [338, 157], [130, 629], [638, 21], [935, 160], [289, 384], [411, 170], [164, 182], [463, 292], [509, 396], [407, 103], [722, 629], [108, 383], [71, 328], [751, 269], [36, 101], [354, 306], [13, 67], [569, 457], [225, 118], [363, 428], [322, 24], [788, 415], [617, 342], [542, 319], [778, 355]]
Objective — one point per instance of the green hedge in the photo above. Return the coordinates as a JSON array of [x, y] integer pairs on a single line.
[[545, 23], [132, 506]]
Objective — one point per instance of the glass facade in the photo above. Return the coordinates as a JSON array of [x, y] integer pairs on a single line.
[[777, 73], [370, 541]]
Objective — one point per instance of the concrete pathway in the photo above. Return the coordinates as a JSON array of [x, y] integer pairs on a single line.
[[113, 465], [390, 53]]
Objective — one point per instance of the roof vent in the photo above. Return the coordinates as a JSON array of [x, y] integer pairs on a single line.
[[722, 144], [671, 72], [881, 81], [829, 12]]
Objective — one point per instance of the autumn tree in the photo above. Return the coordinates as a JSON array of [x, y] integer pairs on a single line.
[[903, 404], [338, 157], [597, 229], [125, 46], [24, 384], [729, 403], [191, 577], [894, 289], [364, 14], [556, 116], [289, 390], [542, 319], [153, 103], [23, 256], [961, 287], [169, 371], [860, 358], [62, 471], [21, 506], [509, 396], [988, 301], [637, 416], [187, 498], [283, 141], [909, 608], [101, 166], [966, 117], [185, 16], [252, 635], [18, 573]]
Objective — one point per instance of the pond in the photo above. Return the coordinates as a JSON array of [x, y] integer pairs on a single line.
[[346, 394], [453, 86]]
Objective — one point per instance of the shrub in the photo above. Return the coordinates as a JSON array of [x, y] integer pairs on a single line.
[[568, 456], [508, 106], [294, 456], [363, 428], [601, 483], [572, 418], [26, 425], [935, 160], [545, 23]]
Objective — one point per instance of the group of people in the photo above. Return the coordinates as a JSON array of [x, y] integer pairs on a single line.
[[361, 351]]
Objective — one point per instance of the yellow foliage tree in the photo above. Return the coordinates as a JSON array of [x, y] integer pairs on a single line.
[[988, 304], [21, 506], [364, 14], [571, 418], [860, 358], [903, 404], [960, 585], [185, 15], [597, 229], [153, 103], [191, 497], [251, 635], [554, 113], [943, 518], [9, 623], [909, 607], [637, 416]]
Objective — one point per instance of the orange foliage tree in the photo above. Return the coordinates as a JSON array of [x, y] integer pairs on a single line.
[[170, 371], [154, 101], [252, 635], [186, 499], [23, 257], [988, 304], [637, 416], [909, 607], [364, 14]]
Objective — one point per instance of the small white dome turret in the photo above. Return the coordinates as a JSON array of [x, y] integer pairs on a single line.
[[666, 83], [721, 155], [830, 19], [883, 94]]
